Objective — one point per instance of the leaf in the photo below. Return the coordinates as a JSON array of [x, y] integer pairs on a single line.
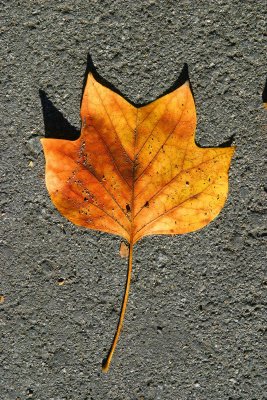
[[136, 172], [124, 250]]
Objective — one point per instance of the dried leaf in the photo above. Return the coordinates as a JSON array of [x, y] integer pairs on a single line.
[[136, 172], [124, 250]]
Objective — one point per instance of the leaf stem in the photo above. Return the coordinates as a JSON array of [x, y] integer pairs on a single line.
[[107, 360]]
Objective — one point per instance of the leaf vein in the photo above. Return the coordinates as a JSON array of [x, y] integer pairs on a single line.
[[169, 135], [115, 131], [111, 155], [175, 207], [165, 108], [174, 178], [100, 208]]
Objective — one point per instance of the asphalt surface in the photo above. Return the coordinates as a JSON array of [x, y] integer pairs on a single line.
[[195, 322]]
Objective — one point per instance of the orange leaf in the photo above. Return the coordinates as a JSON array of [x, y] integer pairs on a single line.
[[124, 250], [136, 172]]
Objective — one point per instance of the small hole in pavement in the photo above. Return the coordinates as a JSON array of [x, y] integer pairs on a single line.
[[29, 392]]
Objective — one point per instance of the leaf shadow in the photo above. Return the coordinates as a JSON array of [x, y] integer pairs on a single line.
[[227, 143], [90, 68], [264, 93], [58, 127]]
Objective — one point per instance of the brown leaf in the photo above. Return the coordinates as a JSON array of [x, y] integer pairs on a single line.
[[136, 172], [124, 250]]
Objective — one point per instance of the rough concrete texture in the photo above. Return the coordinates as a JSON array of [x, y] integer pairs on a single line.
[[195, 320]]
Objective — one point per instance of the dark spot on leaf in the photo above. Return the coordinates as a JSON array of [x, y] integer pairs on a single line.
[[128, 208], [187, 183], [146, 204]]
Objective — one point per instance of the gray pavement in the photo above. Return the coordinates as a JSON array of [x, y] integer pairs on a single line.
[[195, 320]]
